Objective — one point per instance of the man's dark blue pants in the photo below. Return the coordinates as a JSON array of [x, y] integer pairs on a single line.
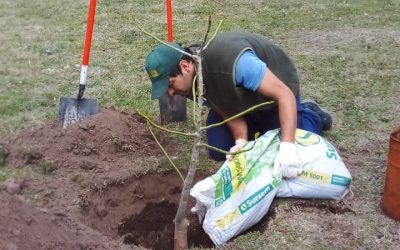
[[261, 121]]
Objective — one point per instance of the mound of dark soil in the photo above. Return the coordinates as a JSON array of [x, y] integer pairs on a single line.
[[92, 178], [103, 142]]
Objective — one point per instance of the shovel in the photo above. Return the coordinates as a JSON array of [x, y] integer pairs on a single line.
[[73, 110]]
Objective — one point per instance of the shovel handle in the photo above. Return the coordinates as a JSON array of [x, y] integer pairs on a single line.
[[89, 32], [86, 47]]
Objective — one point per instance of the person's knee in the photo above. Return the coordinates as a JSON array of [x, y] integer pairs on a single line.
[[309, 121]]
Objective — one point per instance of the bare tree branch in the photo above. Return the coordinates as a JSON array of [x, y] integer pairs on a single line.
[[165, 152], [214, 35], [227, 152], [236, 116], [163, 128], [165, 43], [206, 35]]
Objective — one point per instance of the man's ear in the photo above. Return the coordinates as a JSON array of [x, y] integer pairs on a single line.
[[185, 65]]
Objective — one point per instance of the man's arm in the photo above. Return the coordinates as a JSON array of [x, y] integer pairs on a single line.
[[253, 74], [274, 88], [237, 126], [287, 161]]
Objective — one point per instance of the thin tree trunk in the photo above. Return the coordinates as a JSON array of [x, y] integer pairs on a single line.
[[181, 222], [180, 235]]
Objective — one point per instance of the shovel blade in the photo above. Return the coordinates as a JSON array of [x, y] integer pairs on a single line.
[[72, 110]]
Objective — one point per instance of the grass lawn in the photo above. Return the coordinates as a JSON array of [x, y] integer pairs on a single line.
[[347, 54]]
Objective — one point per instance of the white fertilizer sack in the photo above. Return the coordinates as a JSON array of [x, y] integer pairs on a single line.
[[324, 176], [241, 192]]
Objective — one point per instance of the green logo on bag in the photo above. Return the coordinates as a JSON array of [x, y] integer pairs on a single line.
[[306, 138], [341, 180], [255, 199]]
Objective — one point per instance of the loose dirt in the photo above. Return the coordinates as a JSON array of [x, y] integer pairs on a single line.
[[93, 185]]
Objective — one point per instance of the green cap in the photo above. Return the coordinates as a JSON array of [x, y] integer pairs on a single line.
[[159, 64]]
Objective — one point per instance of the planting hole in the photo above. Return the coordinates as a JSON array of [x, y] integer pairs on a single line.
[[140, 211]]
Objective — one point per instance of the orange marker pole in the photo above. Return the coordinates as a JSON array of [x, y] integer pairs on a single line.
[[172, 108], [86, 48], [169, 20]]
